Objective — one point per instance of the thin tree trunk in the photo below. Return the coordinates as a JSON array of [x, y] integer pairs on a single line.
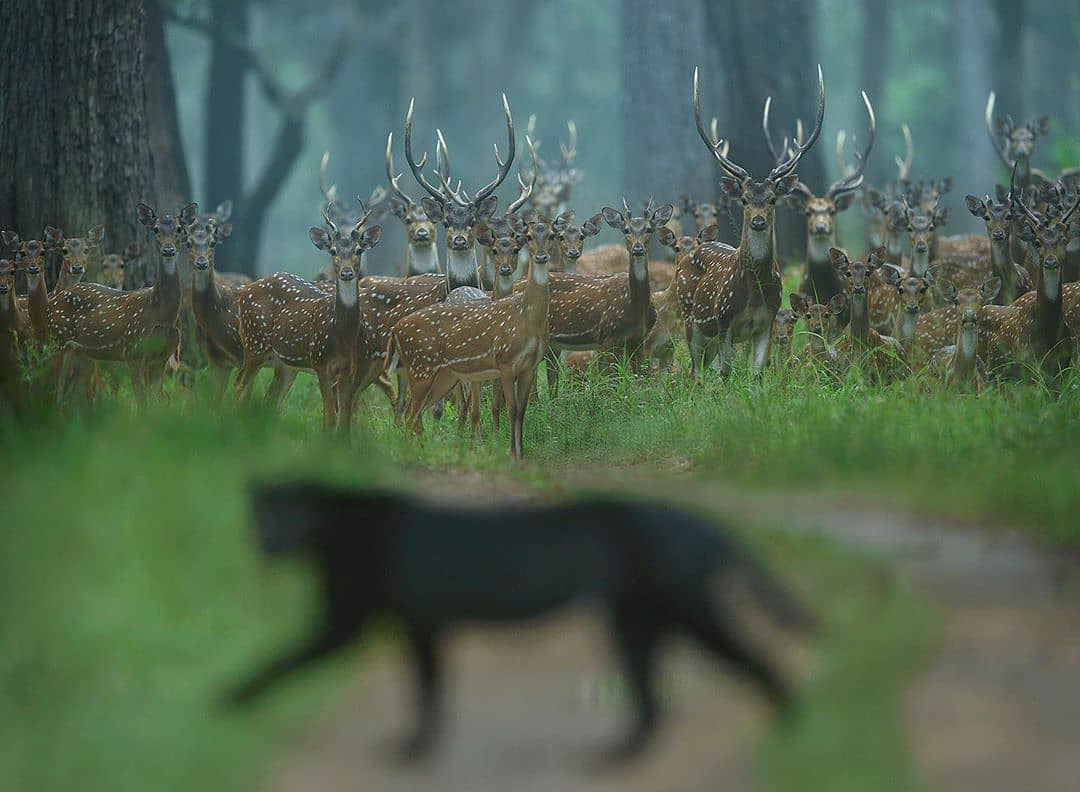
[[74, 137], [226, 105], [875, 59], [975, 156], [1007, 66]]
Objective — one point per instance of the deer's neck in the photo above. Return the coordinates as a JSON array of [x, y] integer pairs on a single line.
[[965, 358], [423, 259], [817, 251], [894, 247], [166, 290], [1001, 264], [1048, 316], [639, 281], [346, 314], [37, 305], [859, 327], [906, 324], [920, 262], [461, 268], [537, 298]]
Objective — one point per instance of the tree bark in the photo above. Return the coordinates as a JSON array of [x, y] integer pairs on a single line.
[[226, 107], [875, 58], [171, 181], [662, 155], [755, 65], [1008, 61], [74, 136]]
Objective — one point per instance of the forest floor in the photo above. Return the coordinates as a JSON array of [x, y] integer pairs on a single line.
[[994, 708]]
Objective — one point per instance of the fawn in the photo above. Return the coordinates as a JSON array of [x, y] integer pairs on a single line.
[[962, 364], [860, 342]]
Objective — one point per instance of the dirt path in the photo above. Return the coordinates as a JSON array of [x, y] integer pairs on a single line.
[[998, 708]]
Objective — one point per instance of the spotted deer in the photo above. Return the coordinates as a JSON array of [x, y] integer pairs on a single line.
[[30, 259], [139, 328], [861, 344], [554, 180], [497, 339], [821, 320], [962, 364], [783, 333], [1036, 334], [504, 252], [820, 279], [570, 241], [423, 252], [285, 318], [997, 214], [454, 209], [74, 252], [913, 300], [15, 335], [606, 312], [739, 293], [608, 259], [113, 264], [876, 203], [687, 276]]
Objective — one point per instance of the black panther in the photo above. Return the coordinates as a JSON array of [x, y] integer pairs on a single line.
[[433, 566]]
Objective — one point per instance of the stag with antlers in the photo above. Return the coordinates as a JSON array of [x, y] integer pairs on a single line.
[[739, 294], [820, 279]]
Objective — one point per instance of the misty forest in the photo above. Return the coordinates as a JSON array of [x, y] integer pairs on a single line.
[[755, 323]]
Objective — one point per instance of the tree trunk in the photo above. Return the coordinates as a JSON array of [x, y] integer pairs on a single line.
[[974, 155], [226, 107], [875, 59], [766, 48], [74, 137], [661, 153], [1007, 66], [171, 180]]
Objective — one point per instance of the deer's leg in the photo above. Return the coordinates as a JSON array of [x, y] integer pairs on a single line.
[[496, 404], [246, 376], [474, 409], [280, 385], [462, 397], [698, 343], [402, 394], [723, 357], [551, 370], [219, 377], [522, 390], [328, 390], [761, 349]]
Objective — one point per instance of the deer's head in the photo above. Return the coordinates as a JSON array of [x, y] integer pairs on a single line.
[[453, 208], [820, 318], [572, 238], [1014, 143], [347, 247], [637, 231], [504, 243], [922, 228], [784, 328], [112, 266], [997, 214], [75, 249], [7, 284], [419, 228], [168, 230], [759, 198], [539, 236], [856, 274], [29, 256], [202, 238], [1050, 236], [686, 245]]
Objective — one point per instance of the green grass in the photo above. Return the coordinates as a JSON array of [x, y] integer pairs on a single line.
[[130, 595]]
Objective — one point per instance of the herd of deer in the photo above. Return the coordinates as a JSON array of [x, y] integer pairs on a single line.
[[1003, 305]]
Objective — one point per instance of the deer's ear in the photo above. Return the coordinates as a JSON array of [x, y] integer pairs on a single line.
[[844, 202], [54, 237], [837, 303], [131, 251], [11, 239], [399, 207], [369, 237], [147, 215], [320, 237], [487, 207], [189, 214], [798, 303], [484, 235], [96, 234], [941, 216], [666, 237], [975, 206], [839, 258], [890, 274], [785, 184], [613, 217], [709, 233], [562, 222], [878, 254], [224, 231], [591, 227], [662, 215], [434, 210], [224, 211], [519, 223], [989, 290], [730, 187], [947, 290]]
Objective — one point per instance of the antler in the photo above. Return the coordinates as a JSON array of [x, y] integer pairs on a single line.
[[853, 181], [326, 216], [777, 156], [390, 177], [442, 170], [569, 152], [733, 170], [990, 130], [786, 167], [418, 169], [504, 167], [329, 193], [903, 166], [526, 191]]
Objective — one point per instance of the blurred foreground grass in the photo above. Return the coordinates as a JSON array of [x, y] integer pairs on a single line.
[[131, 594]]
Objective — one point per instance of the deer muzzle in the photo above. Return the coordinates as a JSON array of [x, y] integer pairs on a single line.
[[920, 247], [998, 235], [459, 242], [202, 263], [541, 258], [422, 235], [638, 249], [168, 250], [758, 223]]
